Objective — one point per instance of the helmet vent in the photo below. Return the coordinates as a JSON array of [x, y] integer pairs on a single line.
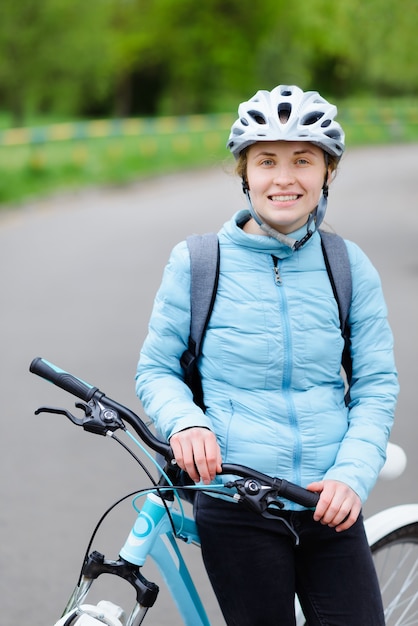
[[284, 110], [334, 134], [287, 113], [257, 117], [311, 118]]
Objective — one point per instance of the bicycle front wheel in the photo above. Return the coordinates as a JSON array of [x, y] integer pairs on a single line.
[[396, 561]]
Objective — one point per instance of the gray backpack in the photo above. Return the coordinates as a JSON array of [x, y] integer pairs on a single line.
[[204, 263]]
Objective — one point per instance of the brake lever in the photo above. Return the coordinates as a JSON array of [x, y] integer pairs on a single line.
[[98, 419], [49, 409], [264, 499]]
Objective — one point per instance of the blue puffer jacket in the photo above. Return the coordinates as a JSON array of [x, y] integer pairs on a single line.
[[271, 362]]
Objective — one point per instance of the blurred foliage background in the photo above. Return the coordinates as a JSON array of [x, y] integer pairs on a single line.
[[176, 57], [63, 60]]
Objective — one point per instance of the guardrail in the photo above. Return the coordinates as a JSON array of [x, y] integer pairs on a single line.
[[394, 120], [115, 128]]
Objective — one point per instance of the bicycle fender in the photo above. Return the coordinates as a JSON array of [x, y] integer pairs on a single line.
[[103, 613], [395, 462], [385, 522]]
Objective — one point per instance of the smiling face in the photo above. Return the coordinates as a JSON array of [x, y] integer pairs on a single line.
[[285, 179]]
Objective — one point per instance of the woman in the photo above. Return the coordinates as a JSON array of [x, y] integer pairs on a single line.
[[271, 375]]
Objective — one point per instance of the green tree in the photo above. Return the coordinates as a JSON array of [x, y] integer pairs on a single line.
[[345, 48], [212, 51], [389, 47], [140, 58], [185, 56], [190, 54], [54, 54]]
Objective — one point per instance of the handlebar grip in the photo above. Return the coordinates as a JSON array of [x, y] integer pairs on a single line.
[[63, 379], [299, 494]]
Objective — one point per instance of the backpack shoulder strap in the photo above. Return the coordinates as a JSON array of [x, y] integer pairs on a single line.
[[339, 272], [204, 267], [204, 270]]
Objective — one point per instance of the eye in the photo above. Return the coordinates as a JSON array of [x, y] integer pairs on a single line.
[[267, 162], [302, 161]]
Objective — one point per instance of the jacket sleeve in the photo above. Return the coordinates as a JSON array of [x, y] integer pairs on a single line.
[[374, 386], [159, 380]]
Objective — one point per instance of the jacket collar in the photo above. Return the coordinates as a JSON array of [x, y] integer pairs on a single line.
[[262, 243]]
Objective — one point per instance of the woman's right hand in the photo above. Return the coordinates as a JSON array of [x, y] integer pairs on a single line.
[[197, 452]]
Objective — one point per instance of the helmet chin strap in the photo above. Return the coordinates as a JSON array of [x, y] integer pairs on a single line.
[[315, 219], [321, 209]]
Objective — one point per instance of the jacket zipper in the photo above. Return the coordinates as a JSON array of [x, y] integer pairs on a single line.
[[287, 371], [277, 276]]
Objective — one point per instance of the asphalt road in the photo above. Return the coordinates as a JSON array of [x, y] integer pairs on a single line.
[[78, 276]]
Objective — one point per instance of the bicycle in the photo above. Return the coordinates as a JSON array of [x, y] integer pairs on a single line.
[[161, 525]]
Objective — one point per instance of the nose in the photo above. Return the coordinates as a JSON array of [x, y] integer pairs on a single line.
[[283, 175]]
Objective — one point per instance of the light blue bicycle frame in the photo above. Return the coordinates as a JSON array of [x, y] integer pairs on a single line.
[[152, 536]]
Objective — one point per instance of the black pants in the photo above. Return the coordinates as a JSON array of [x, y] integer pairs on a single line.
[[256, 568]]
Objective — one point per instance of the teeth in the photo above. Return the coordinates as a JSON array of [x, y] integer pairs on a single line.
[[283, 198]]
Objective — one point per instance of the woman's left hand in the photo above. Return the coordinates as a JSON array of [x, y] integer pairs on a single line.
[[338, 506]]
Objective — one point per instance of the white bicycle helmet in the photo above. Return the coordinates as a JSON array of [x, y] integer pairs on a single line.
[[287, 113]]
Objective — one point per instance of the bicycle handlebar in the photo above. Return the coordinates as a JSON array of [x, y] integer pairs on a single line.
[[87, 392], [60, 378], [284, 488]]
